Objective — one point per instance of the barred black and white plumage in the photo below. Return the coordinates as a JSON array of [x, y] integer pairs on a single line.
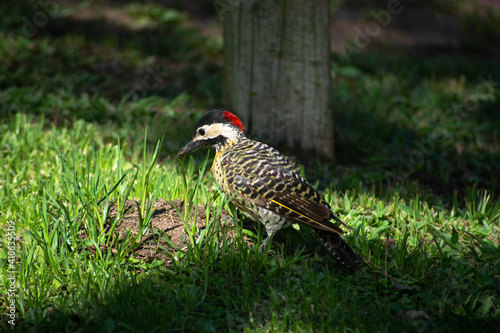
[[266, 185]]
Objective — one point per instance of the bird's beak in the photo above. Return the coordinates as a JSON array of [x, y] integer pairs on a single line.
[[189, 147]]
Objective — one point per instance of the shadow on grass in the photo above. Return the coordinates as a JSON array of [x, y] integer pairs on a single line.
[[282, 293], [123, 78], [93, 55], [393, 127]]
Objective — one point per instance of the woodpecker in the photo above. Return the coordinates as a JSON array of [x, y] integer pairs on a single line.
[[265, 185]]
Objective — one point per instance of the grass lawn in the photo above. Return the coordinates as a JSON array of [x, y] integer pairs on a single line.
[[102, 229]]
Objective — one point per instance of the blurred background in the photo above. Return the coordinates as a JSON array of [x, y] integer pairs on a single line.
[[418, 99]]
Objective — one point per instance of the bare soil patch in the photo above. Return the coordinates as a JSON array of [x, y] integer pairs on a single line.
[[167, 233]]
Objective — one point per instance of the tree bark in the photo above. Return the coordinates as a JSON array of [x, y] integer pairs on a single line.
[[277, 71]]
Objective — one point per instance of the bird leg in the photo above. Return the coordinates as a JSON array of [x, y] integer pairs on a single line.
[[270, 231]]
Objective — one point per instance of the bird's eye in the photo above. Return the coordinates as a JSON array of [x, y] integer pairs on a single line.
[[201, 131]]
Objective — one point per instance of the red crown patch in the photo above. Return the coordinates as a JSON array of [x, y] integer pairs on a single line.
[[233, 120]]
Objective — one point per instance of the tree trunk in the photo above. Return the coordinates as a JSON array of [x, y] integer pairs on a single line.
[[277, 71]]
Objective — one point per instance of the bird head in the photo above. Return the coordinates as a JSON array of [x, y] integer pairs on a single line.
[[215, 129]]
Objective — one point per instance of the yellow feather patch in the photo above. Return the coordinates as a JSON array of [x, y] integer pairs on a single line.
[[276, 202]]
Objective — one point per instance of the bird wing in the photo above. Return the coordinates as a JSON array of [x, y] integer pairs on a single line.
[[285, 193]]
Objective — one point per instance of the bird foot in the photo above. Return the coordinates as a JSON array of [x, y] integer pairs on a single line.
[[227, 221], [264, 244]]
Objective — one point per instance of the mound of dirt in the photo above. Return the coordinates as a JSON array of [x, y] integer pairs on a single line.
[[167, 233]]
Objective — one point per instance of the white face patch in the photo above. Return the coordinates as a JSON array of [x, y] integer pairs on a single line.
[[214, 130]]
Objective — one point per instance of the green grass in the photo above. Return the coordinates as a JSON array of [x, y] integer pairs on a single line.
[[423, 205]]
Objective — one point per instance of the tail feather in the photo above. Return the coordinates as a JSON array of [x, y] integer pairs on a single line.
[[339, 249]]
